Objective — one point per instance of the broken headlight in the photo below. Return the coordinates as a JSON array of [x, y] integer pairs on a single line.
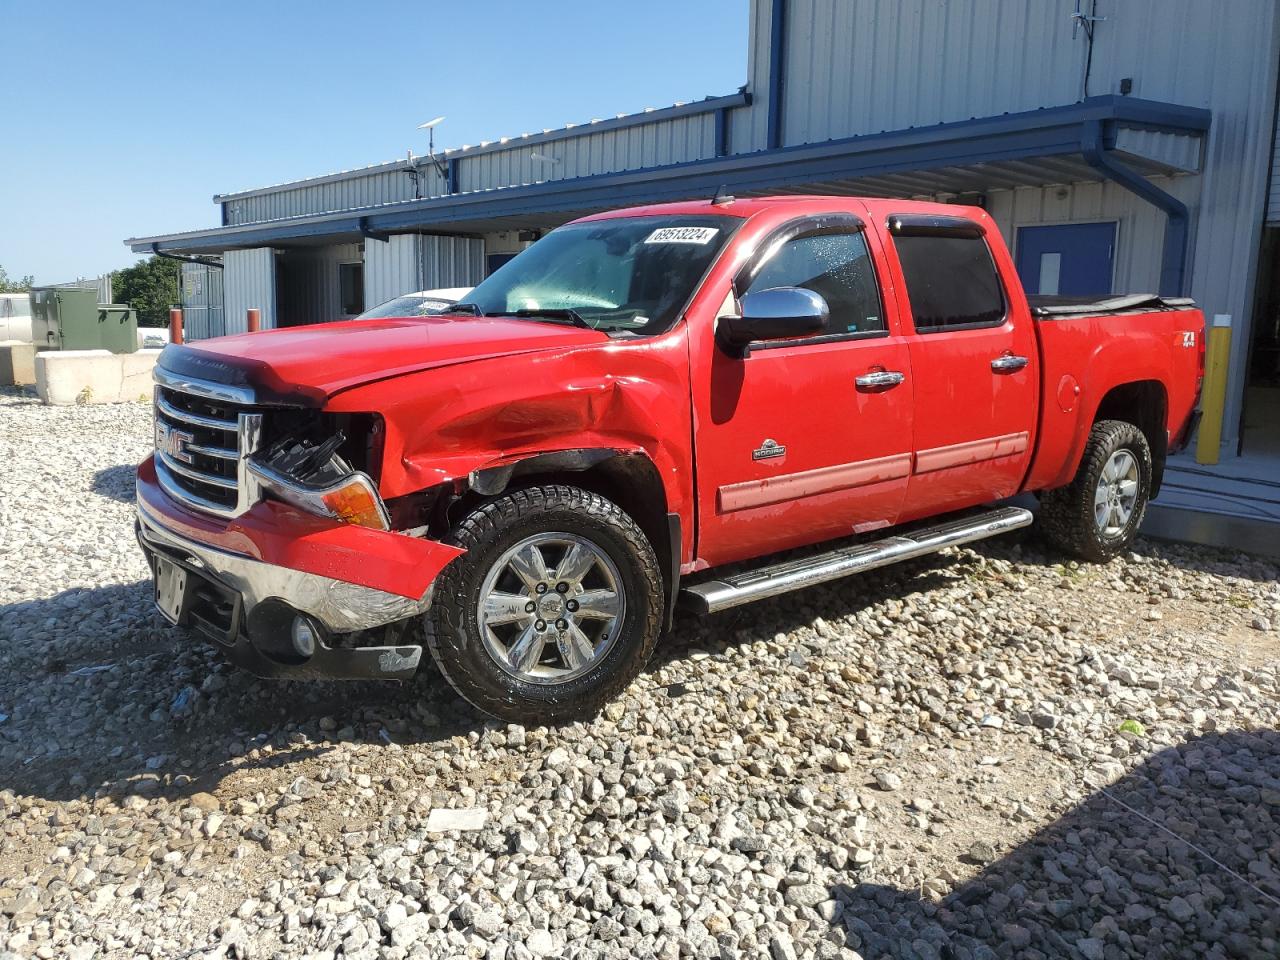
[[309, 474]]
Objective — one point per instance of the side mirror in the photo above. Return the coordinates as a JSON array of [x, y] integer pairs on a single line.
[[779, 313]]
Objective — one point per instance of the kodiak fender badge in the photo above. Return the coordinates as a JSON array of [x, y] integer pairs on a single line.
[[768, 450]]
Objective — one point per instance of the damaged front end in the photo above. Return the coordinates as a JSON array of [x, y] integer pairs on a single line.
[[299, 570]]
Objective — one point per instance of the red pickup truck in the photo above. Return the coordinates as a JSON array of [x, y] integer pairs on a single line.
[[646, 407]]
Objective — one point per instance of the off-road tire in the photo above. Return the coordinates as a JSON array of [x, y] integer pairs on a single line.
[[452, 624], [1067, 513]]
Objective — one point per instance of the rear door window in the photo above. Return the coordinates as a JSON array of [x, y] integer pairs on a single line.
[[951, 282]]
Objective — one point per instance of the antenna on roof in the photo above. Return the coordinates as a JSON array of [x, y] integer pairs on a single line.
[[430, 127], [721, 197]]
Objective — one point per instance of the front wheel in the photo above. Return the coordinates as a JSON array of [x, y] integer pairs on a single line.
[[554, 608], [1096, 517]]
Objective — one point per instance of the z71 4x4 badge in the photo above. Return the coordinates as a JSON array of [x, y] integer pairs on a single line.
[[768, 450]]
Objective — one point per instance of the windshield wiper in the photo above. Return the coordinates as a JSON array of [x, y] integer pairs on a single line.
[[563, 313]]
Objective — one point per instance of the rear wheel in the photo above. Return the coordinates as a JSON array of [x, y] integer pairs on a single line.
[[552, 611], [1096, 516]]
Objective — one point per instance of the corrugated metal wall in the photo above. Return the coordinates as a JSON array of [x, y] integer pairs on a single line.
[[609, 151], [864, 66], [451, 261], [383, 186], [409, 262], [201, 295], [606, 151], [747, 130], [248, 280], [391, 268], [1174, 149]]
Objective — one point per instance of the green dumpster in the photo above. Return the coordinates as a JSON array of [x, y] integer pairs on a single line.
[[70, 318], [118, 326]]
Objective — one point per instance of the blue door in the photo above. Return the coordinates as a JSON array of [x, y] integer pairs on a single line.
[[1070, 259]]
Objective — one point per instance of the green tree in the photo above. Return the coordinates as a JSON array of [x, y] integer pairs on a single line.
[[14, 286], [150, 287]]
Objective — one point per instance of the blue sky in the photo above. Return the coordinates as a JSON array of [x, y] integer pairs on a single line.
[[123, 119]]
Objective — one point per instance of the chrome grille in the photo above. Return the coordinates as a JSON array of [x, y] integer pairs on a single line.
[[203, 433]]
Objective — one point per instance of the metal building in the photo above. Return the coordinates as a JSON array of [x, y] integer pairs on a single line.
[[1122, 146]]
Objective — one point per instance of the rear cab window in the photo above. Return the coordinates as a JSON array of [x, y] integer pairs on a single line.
[[951, 277]]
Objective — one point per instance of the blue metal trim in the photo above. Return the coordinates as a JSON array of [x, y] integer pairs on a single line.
[[371, 234], [1173, 257], [777, 66], [694, 108], [721, 133], [1048, 132]]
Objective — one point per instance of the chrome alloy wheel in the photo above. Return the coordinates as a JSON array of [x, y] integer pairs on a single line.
[[1116, 494], [551, 607]]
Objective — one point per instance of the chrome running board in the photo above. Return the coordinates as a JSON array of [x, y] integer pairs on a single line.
[[712, 596]]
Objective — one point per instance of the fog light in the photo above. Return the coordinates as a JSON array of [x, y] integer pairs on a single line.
[[305, 635]]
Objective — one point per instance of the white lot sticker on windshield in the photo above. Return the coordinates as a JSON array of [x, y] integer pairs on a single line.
[[682, 235]]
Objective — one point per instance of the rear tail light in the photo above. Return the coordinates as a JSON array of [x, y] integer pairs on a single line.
[[1201, 346]]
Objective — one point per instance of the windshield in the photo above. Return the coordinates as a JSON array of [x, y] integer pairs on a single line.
[[409, 306], [631, 273]]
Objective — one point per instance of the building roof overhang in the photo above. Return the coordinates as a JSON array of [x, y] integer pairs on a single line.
[[1037, 147]]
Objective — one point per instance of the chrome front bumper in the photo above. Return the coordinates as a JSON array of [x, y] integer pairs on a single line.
[[339, 607]]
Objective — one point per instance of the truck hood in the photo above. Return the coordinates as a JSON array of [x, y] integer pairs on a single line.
[[310, 364]]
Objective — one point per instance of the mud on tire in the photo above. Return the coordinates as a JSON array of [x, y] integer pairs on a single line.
[[475, 664]]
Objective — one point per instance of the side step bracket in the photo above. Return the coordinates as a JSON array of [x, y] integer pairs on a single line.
[[712, 596]]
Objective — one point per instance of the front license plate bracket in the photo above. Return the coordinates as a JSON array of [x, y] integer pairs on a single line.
[[171, 581]]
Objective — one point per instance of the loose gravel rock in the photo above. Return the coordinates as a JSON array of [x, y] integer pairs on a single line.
[[986, 754]]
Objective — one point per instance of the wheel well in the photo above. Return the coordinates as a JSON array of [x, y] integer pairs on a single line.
[[630, 480], [1145, 405]]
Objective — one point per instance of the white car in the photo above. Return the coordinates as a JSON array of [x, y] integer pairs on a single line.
[[152, 338], [424, 303]]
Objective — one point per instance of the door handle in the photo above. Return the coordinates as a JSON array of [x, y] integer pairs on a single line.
[[879, 380], [1008, 363]]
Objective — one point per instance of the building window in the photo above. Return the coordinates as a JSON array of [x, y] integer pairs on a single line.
[[951, 282], [834, 265], [351, 287]]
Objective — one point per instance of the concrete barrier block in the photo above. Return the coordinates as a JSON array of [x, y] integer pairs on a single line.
[[136, 382], [17, 362], [66, 377]]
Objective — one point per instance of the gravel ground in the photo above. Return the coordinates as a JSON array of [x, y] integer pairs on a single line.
[[983, 755]]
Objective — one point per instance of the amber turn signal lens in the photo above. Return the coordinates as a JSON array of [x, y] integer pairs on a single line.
[[355, 503], [353, 499]]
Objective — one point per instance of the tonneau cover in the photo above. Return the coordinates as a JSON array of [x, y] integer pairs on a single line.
[[1054, 306]]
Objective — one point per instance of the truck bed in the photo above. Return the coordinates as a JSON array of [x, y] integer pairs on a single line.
[[1047, 307], [1086, 346]]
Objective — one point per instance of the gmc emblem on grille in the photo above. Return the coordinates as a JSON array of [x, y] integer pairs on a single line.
[[173, 443]]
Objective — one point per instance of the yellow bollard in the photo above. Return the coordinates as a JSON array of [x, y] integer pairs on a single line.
[[1213, 396]]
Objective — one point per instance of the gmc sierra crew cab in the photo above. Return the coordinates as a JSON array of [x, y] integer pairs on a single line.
[[704, 402]]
